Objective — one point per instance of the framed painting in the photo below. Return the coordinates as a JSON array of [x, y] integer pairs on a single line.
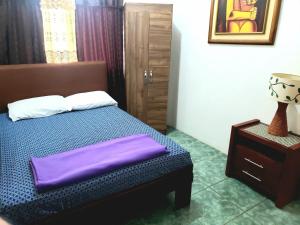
[[243, 21]]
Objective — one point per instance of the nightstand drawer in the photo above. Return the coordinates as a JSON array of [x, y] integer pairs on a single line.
[[257, 169]]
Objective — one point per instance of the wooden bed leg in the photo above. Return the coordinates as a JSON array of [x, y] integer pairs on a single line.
[[183, 195]]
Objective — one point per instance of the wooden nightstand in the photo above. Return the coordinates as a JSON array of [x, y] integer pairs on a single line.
[[268, 164]]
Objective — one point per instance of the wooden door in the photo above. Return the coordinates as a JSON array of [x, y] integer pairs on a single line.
[[160, 31], [137, 26]]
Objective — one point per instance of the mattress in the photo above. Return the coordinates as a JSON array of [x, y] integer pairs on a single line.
[[19, 200]]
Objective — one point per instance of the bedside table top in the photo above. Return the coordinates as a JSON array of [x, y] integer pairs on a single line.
[[262, 130]]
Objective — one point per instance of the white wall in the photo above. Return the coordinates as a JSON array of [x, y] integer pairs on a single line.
[[213, 86]]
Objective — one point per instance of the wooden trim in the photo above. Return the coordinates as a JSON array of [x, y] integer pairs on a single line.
[[232, 143], [33, 80], [179, 181], [288, 192], [270, 41], [211, 22], [296, 146], [231, 152], [256, 121], [274, 24], [247, 124], [148, 5], [265, 141]]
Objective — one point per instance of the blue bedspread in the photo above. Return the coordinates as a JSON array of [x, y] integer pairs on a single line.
[[19, 200]]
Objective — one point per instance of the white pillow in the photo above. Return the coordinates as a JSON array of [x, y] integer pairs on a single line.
[[37, 107], [90, 100]]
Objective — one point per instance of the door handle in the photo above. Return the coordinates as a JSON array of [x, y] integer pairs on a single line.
[[145, 77], [252, 176], [254, 163], [151, 76]]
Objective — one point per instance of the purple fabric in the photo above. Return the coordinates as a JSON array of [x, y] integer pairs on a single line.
[[93, 160]]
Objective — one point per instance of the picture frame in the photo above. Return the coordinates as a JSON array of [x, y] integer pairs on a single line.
[[243, 21]]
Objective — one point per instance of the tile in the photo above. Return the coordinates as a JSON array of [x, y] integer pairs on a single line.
[[213, 209], [210, 208], [244, 219], [200, 151], [266, 213], [170, 129], [159, 217], [173, 133], [238, 192], [181, 138], [206, 207], [190, 214], [198, 184], [211, 171]]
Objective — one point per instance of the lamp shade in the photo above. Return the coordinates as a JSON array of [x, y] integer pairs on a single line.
[[285, 87]]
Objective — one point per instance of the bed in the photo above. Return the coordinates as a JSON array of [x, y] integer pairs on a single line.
[[19, 200]]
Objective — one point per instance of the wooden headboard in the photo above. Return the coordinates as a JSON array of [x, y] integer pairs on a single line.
[[34, 80]]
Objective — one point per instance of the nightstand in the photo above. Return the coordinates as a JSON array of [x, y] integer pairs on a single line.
[[267, 163]]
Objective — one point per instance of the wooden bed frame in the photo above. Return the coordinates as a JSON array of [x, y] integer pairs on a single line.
[[25, 81]]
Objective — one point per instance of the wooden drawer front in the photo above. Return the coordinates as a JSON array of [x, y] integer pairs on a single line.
[[257, 169]]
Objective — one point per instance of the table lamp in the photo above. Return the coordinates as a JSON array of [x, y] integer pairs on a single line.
[[285, 88]]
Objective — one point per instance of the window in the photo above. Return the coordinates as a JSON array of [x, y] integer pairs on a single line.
[[59, 30]]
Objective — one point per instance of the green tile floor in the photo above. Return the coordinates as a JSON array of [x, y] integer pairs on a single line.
[[216, 199]]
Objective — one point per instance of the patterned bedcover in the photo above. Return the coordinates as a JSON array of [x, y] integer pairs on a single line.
[[19, 200]]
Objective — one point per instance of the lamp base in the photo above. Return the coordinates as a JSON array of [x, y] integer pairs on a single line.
[[278, 126]]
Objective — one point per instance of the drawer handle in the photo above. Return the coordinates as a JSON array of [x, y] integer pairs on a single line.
[[256, 164], [250, 175]]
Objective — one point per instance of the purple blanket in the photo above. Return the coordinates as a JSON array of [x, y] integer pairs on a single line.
[[93, 160]]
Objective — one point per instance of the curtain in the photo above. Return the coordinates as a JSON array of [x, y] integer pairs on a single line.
[[99, 36], [21, 32], [3, 33], [59, 30]]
